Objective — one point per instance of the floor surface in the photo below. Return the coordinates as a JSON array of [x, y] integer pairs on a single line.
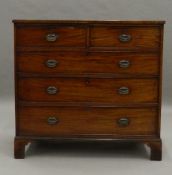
[[79, 158]]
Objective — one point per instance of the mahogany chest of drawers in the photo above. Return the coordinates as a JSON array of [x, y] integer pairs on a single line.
[[88, 80]]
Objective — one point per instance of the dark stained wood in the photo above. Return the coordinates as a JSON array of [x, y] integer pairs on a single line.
[[19, 148], [15, 81], [87, 104], [89, 90], [156, 149], [81, 62], [49, 49], [88, 77], [92, 22], [160, 80], [87, 49], [85, 75], [82, 121]]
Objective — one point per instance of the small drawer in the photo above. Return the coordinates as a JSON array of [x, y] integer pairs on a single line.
[[68, 121], [119, 91], [129, 38], [79, 62], [50, 36]]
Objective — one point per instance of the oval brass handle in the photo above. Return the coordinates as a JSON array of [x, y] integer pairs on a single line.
[[123, 90], [124, 64], [51, 37], [123, 122], [52, 90], [124, 38], [51, 63], [52, 120]]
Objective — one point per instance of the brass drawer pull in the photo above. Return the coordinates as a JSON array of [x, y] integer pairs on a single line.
[[51, 63], [124, 38], [124, 64], [123, 90], [51, 37], [52, 120], [123, 122], [52, 90]]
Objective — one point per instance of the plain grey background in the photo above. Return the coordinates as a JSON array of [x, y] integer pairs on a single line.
[[78, 161]]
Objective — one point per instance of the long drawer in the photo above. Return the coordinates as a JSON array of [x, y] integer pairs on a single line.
[[120, 91], [61, 121], [80, 62]]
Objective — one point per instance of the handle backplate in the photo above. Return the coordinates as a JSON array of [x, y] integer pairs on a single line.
[[123, 122], [51, 63], [124, 63], [52, 90], [52, 120], [123, 90], [51, 37], [125, 37]]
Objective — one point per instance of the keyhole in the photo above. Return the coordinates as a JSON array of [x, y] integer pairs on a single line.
[[87, 81]]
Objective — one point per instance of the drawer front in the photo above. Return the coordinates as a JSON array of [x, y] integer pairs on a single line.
[[118, 91], [61, 121], [126, 37], [77, 62], [51, 36]]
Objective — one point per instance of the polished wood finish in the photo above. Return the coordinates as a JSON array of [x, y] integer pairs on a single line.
[[141, 37], [140, 64], [156, 150], [94, 22], [19, 148], [36, 36], [33, 121], [90, 80], [88, 90]]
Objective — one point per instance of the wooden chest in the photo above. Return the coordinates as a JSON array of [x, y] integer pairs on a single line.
[[88, 80]]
